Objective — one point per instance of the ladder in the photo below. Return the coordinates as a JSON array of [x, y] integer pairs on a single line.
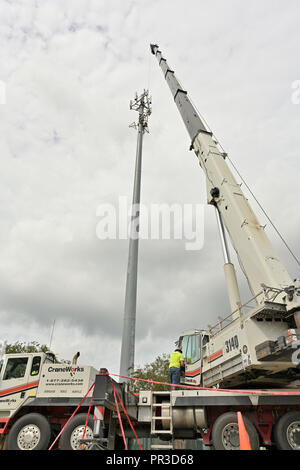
[[161, 420]]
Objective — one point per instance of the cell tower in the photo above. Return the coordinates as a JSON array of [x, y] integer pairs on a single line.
[[141, 104]]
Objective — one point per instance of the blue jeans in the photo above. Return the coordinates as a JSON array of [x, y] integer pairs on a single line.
[[174, 373]]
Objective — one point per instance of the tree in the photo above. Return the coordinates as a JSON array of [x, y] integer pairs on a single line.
[[158, 370], [30, 347]]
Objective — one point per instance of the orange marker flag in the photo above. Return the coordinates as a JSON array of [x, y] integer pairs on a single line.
[[244, 439]]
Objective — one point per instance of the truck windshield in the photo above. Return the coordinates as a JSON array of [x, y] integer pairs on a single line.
[[15, 368]]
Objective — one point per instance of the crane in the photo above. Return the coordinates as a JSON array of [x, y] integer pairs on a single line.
[[254, 347]]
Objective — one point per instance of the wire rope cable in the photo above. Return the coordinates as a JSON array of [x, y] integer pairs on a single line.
[[249, 189]]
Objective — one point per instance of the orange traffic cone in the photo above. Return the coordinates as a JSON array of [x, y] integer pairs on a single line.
[[244, 439]]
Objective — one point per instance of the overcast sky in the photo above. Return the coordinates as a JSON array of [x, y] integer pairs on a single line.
[[70, 69]]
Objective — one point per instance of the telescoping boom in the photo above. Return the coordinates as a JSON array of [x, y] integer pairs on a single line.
[[253, 345], [256, 255]]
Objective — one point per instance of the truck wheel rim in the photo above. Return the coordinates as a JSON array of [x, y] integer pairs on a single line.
[[77, 435], [230, 437], [293, 435], [29, 437]]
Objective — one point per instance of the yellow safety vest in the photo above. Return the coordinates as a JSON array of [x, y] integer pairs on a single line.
[[175, 359]]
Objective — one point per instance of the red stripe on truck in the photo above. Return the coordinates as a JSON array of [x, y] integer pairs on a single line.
[[20, 388], [215, 356], [193, 373]]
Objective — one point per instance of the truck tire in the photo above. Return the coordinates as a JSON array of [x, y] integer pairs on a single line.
[[70, 438], [30, 432], [225, 432], [287, 431]]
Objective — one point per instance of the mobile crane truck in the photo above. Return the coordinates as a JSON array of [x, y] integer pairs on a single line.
[[248, 362]]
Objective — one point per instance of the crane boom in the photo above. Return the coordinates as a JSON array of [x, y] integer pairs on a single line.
[[256, 256]]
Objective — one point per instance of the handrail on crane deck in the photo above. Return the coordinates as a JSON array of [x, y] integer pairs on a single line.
[[266, 291]]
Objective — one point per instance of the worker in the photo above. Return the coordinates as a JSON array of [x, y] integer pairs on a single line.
[[176, 363]]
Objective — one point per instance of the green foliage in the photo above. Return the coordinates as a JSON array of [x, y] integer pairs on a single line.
[[158, 370], [22, 347]]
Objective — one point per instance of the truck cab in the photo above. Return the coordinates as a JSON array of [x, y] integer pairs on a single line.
[[19, 378], [37, 395]]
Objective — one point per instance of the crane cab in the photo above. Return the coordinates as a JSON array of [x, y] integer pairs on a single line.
[[194, 350]]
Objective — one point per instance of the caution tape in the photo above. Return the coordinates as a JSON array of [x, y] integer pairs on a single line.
[[126, 414], [72, 415], [119, 417], [191, 387]]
